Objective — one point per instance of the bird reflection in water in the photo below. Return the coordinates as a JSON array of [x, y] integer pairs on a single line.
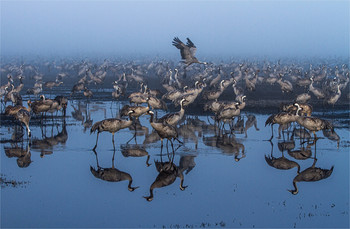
[[168, 172], [228, 144], [280, 162], [47, 144], [241, 127], [187, 163], [111, 174], [301, 133], [88, 121], [17, 135], [151, 138], [238, 127], [138, 130], [331, 135], [192, 129], [311, 174], [135, 151], [303, 153], [23, 154], [186, 131], [251, 120], [197, 125], [77, 114]]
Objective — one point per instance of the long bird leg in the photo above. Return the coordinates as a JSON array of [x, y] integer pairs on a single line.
[[113, 157], [131, 139], [271, 149], [42, 131], [209, 120], [96, 141], [98, 165], [113, 142], [279, 131], [135, 140], [135, 128], [179, 141], [172, 145], [161, 147], [28, 130], [271, 132], [167, 149], [177, 148], [167, 141]]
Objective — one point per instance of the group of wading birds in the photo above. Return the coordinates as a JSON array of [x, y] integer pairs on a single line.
[[206, 79], [179, 91]]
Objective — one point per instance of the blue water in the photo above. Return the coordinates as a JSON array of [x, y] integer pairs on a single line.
[[59, 190]]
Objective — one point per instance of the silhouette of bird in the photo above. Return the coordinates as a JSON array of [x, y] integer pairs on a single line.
[[168, 172], [112, 174], [311, 174], [281, 162], [135, 151]]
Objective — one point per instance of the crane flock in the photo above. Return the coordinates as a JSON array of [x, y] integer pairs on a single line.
[[160, 85]]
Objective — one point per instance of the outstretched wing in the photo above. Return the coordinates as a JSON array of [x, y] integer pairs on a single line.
[[191, 46], [178, 43], [185, 51]]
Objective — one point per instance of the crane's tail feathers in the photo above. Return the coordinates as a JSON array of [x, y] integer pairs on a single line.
[[94, 172], [269, 120], [268, 160], [329, 125], [329, 172], [95, 127]]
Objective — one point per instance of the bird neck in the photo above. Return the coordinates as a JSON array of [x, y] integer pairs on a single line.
[[298, 109], [150, 197], [151, 119], [130, 116], [311, 86], [296, 190], [129, 185], [222, 86], [182, 106], [182, 180], [29, 109]]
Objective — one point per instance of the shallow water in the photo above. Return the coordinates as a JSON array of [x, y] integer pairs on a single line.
[[225, 187]]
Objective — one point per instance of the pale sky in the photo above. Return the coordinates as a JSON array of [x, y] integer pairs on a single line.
[[218, 28]]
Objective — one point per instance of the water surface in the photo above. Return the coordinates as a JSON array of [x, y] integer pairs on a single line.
[[225, 186]]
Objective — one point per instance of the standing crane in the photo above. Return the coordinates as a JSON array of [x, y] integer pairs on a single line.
[[111, 125]]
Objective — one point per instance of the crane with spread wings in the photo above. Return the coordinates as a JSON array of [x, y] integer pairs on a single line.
[[187, 51]]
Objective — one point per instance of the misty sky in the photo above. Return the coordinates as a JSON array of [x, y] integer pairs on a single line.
[[218, 28]]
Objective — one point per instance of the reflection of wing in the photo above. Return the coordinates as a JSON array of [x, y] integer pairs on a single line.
[[192, 47], [185, 51]]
